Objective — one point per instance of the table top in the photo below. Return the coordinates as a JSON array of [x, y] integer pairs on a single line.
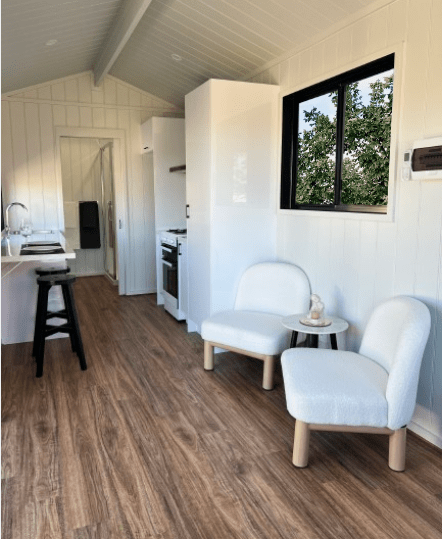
[[293, 322], [11, 248]]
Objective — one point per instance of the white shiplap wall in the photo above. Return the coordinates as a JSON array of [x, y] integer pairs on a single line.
[[354, 264], [29, 119]]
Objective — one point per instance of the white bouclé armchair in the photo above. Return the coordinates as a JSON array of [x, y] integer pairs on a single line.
[[370, 391], [267, 292]]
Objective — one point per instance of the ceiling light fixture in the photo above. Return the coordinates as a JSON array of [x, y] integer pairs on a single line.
[[176, 57], [51, 42]]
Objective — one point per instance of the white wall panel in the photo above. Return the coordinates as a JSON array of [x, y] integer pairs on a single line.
[[20, 163], [84, 89], [29, 120], [85, 117], [98, 117], [138, 195], [71, 89], [59, 115], [48, 167], [110, 118], [377, 30], [72, 116], [36, 207], [44, 93], [368, 261], [57, 92], [97, 94], [8, 187]]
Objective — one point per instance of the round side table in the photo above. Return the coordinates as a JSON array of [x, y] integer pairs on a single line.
[[293, 322]]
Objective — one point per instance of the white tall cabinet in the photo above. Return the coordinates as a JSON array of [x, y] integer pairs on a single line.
[[231, 173]]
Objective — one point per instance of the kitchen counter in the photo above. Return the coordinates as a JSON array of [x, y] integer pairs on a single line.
[[11, 248], [19, 285]]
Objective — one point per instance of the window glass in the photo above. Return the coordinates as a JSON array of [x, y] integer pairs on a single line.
[[366, 157], [336, 141], [316, 150]]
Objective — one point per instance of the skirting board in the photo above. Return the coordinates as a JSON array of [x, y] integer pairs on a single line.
[[143, 291], [426, 424], [88, 273], [425, 433], [111, 279]]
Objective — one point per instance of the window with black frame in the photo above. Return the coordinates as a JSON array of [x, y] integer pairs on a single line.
[[336, 142]]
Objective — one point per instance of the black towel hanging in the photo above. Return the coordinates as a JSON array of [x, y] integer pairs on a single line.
[[89, 225]]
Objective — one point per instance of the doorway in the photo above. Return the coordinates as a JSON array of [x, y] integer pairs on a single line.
[[90, 169]]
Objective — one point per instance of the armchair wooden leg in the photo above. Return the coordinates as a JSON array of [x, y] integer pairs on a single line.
[[208, 356], [269, 369], [301, 444], [396, 458]]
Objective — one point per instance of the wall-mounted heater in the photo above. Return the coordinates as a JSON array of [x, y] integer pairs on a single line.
[[423, 161]]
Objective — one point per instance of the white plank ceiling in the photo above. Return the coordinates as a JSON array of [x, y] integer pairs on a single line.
[[79, 26], [215, 38]]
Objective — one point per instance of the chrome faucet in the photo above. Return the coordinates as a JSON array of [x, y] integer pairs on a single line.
[[8, 207]]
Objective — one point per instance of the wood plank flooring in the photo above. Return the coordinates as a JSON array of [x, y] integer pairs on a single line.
[[146, 444]]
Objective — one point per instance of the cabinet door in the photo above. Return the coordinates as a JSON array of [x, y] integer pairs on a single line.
[[198, 166]]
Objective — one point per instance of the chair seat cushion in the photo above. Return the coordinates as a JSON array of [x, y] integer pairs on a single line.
[[335, 388], [262, 333]]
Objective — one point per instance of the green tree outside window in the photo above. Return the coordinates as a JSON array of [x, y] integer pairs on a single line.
[[366, 148]]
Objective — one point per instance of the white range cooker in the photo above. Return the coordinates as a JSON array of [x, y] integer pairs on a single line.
[[173, 244]]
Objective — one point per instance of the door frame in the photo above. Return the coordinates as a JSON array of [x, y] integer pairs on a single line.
[[118, 137]]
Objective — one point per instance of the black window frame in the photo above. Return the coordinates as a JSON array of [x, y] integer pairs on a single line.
[[290, 126]]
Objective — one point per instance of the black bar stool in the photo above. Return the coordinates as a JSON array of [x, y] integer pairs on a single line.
[[71, 327], [41, 272], [50, 270]]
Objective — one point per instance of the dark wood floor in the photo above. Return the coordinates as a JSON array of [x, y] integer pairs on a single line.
[[146, 444]]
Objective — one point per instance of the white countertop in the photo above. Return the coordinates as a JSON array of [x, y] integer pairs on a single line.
[[11, 248]]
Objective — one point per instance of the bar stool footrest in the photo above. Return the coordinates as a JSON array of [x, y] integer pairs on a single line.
[[57, 314], [52, 330]]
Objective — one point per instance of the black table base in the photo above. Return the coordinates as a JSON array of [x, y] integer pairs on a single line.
[[312, 340]]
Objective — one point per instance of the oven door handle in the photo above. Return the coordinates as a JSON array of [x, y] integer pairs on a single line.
[[165, 262]]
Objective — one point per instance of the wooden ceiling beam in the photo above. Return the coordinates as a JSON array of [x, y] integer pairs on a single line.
[[127, 19]]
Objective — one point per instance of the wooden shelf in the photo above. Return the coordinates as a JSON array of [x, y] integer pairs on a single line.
[[179, 168]]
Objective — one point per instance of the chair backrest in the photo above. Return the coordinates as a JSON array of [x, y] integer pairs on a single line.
[[274, 287], [396, 335]]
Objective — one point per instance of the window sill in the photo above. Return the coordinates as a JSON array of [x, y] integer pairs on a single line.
[[352, 216]]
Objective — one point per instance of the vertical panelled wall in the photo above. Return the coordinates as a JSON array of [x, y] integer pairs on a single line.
[[29, 119], [354, 264]]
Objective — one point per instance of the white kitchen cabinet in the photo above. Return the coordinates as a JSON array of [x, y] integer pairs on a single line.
[[231, 184]]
